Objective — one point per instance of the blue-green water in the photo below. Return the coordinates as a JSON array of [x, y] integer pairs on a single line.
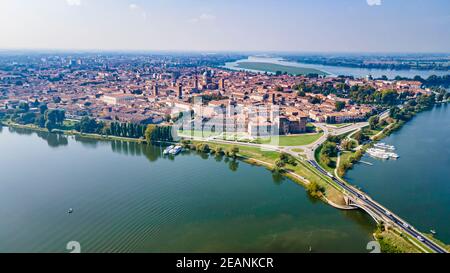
[[417, 186], [339, 70], [128, 198]]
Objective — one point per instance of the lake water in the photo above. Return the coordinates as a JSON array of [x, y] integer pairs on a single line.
[[417, 186], [126, 197], [339, 70]]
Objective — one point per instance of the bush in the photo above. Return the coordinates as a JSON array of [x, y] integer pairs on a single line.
[[203, 148]]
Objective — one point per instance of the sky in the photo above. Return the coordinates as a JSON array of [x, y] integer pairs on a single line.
[[227, 25]]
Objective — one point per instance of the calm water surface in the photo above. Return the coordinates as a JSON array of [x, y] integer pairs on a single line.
[[417, 186], [128, 198], [339, 70]]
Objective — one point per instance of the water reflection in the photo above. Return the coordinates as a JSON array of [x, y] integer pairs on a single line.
[[53, 140], [204, 205], [152, 153], [278, 178], [20, 131], [233, 165]]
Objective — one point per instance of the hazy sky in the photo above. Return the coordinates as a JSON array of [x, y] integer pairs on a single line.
[[216, 25]]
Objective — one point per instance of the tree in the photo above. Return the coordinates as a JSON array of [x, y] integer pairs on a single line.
[[89, 126], [301, 93], [373, 122], [232, 152], [340, 105], [149, 133], [315, 190], [330, 149], [49, 125], [347, 144], [389, 97], [43, 108], [288, 159], [360, 137], [394, 112], [24, 106], [280, 163], [203, 148], [218, 151]]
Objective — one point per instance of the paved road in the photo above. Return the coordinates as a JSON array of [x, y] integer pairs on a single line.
[[376, 209], [328, 130], [358, 197]]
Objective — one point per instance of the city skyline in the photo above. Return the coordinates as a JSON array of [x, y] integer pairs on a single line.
[[253, 26]]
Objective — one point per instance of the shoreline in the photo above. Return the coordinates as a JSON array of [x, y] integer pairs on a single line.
[[399, 244], [385, 237], [384, 133], [298, 179]]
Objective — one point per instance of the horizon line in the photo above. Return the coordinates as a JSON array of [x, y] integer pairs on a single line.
[[74, 50]]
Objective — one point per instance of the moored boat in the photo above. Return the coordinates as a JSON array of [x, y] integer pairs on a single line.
[[176, 150], [384, 146], [168, 150]]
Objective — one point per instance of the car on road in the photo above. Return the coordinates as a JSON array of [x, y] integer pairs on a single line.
[[420, 238]]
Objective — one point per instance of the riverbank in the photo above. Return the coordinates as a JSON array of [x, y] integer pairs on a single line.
[[129, 198], [416, 185], [73, 133], [300, 172], [251, 155]]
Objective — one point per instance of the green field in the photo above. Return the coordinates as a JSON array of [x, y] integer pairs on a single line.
[[273, 68], [298, 140]]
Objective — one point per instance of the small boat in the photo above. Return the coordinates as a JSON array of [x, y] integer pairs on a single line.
[[70, 211], [433, 232], [176, 150], [168, 150]]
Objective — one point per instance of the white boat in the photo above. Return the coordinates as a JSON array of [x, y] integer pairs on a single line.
[[393, 155], [384, 146], [168, 150], [377, 153], [176, 150], [382, 154]]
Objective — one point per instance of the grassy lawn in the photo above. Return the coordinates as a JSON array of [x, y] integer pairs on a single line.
[[208, 134], [323, 165], [345, 156], [392, 242], [298, 140], [246, 151], [69, 125]]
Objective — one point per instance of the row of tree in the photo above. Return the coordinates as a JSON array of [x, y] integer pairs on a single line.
[[154, 133], [131, 130]]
